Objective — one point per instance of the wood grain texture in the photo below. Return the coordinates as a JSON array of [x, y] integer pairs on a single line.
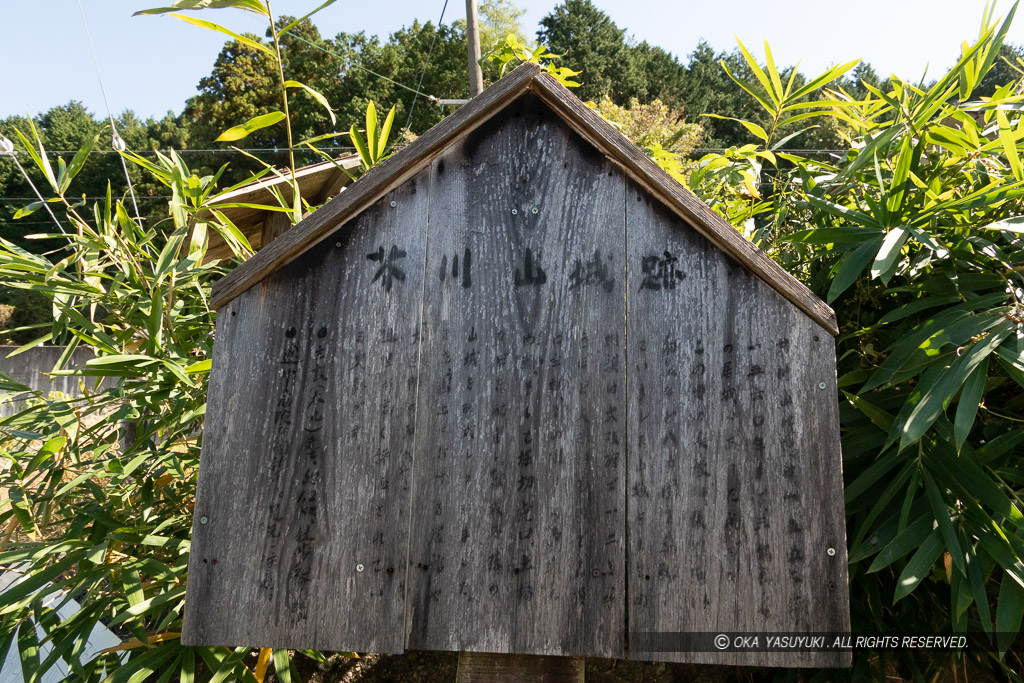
[[275, 224], [517, 541], [735, 479], [304, 484], [591, 127], [376, 183], [697, 214], [426, 429], [479, 667]]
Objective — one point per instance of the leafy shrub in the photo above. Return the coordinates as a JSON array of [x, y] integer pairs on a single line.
[[914, 235]]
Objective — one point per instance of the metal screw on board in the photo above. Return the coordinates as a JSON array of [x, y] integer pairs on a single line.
[[831, 552], [359, 567], [821, 385], [338, 245], [393, 203], [534, 211], [515, 211], [204, 519]]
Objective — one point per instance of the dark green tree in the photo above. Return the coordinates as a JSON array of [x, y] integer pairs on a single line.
[[590, 41], [244, 84], [1006, 69], [661, 76], [708, 90]]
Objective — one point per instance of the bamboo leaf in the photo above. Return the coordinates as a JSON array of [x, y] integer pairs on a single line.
[[913, 536], [315, 95], [1009, 610], [282, 666], [1009, 145], [385, 130], [929, 405], [251, 126], [970, 400], [773, 72], [262, 664], [749, 125], [758, 73], [360, 144], [851, 267], [301, 19], [888, 254], [244, 40], [918, 566], [371, 131], [941, 511], [250, 5]]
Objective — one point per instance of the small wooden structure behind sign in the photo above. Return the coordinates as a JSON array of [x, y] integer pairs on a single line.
[[518, 391]]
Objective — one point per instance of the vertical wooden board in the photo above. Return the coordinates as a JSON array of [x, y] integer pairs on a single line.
[[517, 537], [482, 667], [735, 489], [304, 484]]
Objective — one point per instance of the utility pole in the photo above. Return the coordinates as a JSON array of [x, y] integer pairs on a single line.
[[476, 76]]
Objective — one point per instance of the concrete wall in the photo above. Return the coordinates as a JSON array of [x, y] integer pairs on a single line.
[[28, 368]]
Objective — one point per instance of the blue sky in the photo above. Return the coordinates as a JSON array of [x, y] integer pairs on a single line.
[[152, 64]]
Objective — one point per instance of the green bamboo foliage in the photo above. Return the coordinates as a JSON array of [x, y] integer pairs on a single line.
[[914, 235]]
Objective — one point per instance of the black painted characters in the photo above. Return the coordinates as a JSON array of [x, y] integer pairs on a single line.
[[593, 272], [389, 270], [658, 272]]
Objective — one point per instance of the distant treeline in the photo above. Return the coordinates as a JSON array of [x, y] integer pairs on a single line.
[[353, 68]]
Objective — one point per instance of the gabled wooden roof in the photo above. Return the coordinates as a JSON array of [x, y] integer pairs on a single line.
[[526, 78]]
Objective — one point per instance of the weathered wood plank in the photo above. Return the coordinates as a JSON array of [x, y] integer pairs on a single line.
[[304, 484], [275, 224], [517, 541], [735, 491], [697, 214], [377, 182], [480, 667], [590, 126]]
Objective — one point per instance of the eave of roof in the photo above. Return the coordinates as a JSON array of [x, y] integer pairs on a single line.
[[313, 180], [526, 78]]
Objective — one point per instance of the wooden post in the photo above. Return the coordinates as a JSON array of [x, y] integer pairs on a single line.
[[274, 225], [481, 667], [476, 76]]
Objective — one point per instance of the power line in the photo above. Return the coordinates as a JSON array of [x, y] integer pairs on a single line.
[[423, 73], [88, 199], [116, 140], [7, 147], [369, 71]]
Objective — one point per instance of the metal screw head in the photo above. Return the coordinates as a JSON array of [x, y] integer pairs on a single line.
[[515, 211], [831, 552], [337, 245], [821, 385], [360, 567], [534, 210], [393, 203], [204, 519]]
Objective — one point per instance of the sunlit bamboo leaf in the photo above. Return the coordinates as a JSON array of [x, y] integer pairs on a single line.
[[251, 126]]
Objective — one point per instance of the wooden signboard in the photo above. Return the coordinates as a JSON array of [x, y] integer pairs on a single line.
[[511, 387]]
